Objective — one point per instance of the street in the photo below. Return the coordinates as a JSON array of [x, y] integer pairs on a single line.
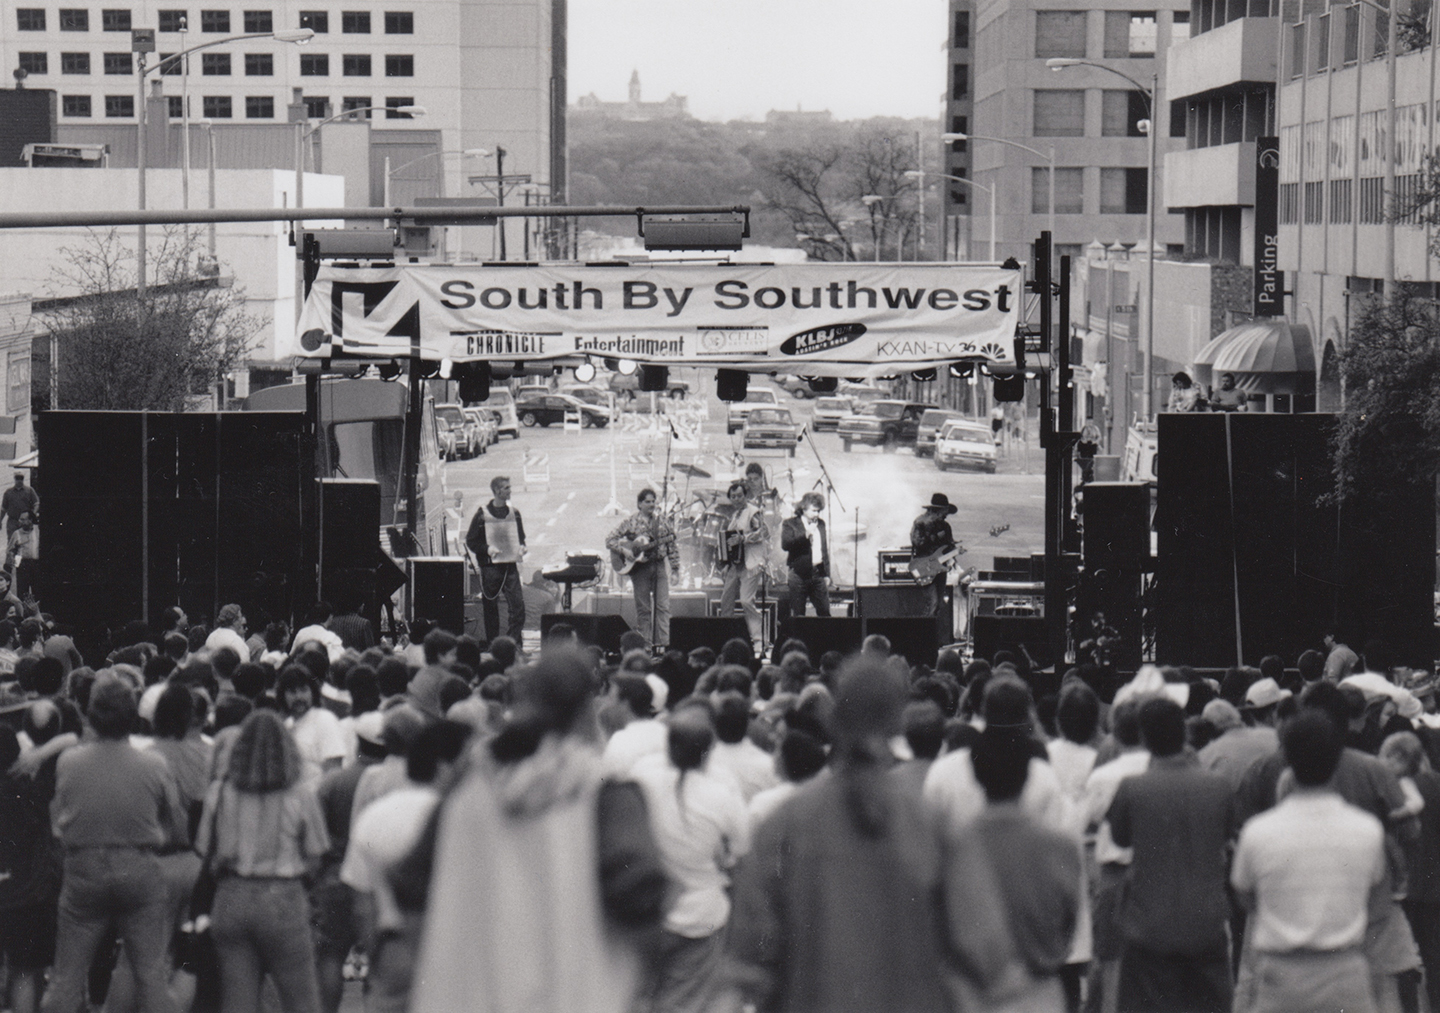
[[563, 483]]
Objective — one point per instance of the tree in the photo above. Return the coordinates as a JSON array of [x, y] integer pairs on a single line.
[[123, 351], [1389, 429]]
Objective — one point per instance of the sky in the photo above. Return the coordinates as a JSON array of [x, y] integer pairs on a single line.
[[741, 58]]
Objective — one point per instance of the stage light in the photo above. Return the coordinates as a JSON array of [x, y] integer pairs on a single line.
[[731, 384], [585, 372], [923, 376], [627, 366]]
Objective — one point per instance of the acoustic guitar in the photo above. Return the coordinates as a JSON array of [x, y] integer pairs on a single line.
[[636, 551]]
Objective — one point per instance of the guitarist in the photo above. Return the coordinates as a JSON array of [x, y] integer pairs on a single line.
[[928, 535], [744, 561], [646, 540]]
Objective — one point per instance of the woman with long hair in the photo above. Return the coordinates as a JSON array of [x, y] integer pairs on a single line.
[[262, 831]]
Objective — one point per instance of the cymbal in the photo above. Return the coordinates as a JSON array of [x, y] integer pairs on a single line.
[[690, 469]]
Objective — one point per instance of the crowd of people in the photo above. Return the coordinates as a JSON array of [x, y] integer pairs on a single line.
[[215, 820]]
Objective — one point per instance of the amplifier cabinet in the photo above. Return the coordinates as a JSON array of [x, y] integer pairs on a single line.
[[893, 566]]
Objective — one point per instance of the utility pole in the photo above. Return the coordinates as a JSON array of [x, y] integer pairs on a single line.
[[500, 194]]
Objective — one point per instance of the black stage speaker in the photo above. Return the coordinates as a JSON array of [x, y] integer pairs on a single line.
[[1117, 524], [823, 633], [1021, 635], [437, 590], [349, 523], [915, 637], [1116, 593], [690, 632], [889, 600], [260, 533], [603, 631]]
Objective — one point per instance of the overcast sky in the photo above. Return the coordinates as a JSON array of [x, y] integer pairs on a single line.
[[741, 58]]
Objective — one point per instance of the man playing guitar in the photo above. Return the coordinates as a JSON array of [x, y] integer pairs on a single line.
[[643, 546], [932, 544], [744, 558]]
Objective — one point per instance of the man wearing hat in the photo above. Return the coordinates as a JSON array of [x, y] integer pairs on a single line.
[[928, 535], [18, 499]]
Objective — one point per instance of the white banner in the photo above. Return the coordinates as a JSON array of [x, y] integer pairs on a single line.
[[812, 319]]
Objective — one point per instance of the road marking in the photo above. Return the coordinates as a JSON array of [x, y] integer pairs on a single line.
[[541, 539], [551, 522], [570, 497], [561, 508]]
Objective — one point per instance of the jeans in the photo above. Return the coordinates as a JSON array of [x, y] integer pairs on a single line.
[[744, 583], [493, 580], [179, 870], [260, 926], [652, 602], [812, 589], [106, 891]]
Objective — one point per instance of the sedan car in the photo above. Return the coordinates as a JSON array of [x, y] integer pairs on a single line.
[[930, 424], [771, 427], [829, 411], [965, 444], [456, 432], [542, 410], [886, 424], [755, 397], [487, 428]]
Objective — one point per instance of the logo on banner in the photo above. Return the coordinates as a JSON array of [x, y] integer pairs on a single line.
[[822, 339], [723, 340]]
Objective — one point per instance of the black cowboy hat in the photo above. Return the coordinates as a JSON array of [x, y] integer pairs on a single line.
[[940, 501]]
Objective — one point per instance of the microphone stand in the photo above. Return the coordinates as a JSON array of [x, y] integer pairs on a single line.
[[664, 506], [826, 482]]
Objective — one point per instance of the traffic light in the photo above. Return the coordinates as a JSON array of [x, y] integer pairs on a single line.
[[474, 381]]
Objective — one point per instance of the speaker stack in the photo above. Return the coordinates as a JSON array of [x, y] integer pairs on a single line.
[[1116, 554]]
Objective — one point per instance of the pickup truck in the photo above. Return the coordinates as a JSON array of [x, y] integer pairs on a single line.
[[886, 424]]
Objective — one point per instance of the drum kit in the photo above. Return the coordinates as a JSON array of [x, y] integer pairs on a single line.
[[700, 524]]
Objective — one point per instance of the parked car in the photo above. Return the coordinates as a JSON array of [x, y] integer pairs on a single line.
[[771, 427], [544, 409], [456, 432], [486, 428], [965, 443], [829, 411], [862, 393], [887, 424], [755, 397], [587, 393], [502, 402], [627, 387], [930, 424]]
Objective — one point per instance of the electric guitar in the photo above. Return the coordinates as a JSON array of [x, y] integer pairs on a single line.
[[638, 550], [928, 567]]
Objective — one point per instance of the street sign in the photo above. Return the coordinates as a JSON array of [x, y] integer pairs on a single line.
[[142, 40], [1126, 308]]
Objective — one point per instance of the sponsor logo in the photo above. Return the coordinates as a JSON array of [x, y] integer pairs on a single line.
[[821, 339], [722, 340], [504, 343]]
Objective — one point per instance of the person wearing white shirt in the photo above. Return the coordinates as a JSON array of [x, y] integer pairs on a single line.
[[642, 734], [317, 732], [701, 830], [229, 632], [750, 767]]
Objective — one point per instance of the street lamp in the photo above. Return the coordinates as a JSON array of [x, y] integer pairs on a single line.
[[389, 172], [303, 133], [870, 200], [917, 174], [1059, 63], [1050, 158], [298, 36]]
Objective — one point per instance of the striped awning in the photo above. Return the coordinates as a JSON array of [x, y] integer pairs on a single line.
[[1270, 356]]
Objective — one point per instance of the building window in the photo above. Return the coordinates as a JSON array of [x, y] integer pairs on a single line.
[[218, 107], [215, 21], [259, 64], [171, 67], [1314, 203], [34, 63], [116, 63], [74, 20], [314, 64], [259, 21], [175, 107], [1289, 203], [1059, 33], [357, 102], [1129, 34], [1122, 191], [1069, 191], [259, 107], [393, 105], [75, 105], [317, 107], [119, 106], [355, 64], [1340, 206], [1296, 50], [1059, 113], [1372, 200], [215, 64], [1179, 26], [355, 22], [114, 20], [74, 63], [173, 21], [399, 66], [961, 39], [959, 125], [32, 19], [317, 21], [399, 23], [960, 82], [1121, 113], [1177, 118]]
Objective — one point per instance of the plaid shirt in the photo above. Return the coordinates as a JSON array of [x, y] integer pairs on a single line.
[[656, 528]]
